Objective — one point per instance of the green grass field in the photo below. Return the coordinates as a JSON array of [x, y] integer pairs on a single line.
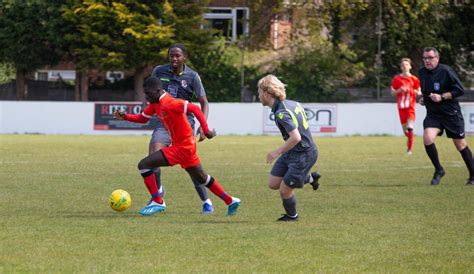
[[375, 210]]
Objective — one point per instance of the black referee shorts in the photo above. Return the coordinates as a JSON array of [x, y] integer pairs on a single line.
[[453, 124]]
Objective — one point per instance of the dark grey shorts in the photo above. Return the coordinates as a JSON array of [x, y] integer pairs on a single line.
[[294, 167], [161, 135]]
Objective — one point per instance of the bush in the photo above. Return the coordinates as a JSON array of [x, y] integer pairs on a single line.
[[220, 72], [314, 75]]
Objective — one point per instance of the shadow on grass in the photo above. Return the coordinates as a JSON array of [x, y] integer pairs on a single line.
[[364, 185], [98, 215], [121, 215]]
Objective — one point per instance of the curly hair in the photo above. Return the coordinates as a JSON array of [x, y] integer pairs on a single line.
[[273, 86]]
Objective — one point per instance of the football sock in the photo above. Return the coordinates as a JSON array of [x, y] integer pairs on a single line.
[[411, 139], [467, 157], [157, 172], [215, 188], [433, 154], [208, 201], [201, 190], [290, 205], [150, 183]]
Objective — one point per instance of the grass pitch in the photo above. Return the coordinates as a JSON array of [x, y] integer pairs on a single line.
[[374, 212]]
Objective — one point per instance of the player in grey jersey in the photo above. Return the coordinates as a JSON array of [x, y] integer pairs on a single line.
[[298, 154], [184, 83]]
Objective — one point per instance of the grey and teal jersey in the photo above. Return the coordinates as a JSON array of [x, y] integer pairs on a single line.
[[186, 85], [290, 115]]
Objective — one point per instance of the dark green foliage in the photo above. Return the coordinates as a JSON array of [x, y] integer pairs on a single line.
[[315, 75], [220, 75], [29, 37]]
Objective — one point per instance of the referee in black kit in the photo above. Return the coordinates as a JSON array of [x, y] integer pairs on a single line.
[[440, 87]]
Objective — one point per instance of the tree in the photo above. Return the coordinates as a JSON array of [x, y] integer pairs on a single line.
[[315, 74], [7, 72], [29, 38], [118, 36], [408, 27]]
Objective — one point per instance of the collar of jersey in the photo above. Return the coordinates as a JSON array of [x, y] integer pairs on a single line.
[[275, 105], [162, 95], [182, 72]]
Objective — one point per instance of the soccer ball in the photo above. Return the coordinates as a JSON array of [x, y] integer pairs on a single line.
[[120, 200]]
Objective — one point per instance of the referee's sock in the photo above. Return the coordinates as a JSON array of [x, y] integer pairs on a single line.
[[467, 157], [433, 154]]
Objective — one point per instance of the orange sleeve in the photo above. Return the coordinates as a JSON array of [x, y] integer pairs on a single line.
[[199, 116], [143, 117]]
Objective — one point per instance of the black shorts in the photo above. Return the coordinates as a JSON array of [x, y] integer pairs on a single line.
[[453, 124], [294, 167]]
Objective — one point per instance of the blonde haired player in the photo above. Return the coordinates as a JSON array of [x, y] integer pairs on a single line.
[[297, 155], [406, 87]]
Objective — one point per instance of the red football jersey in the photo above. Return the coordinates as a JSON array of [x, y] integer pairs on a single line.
[[406, 99], [172, 113]]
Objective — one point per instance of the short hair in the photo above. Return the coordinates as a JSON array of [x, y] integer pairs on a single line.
[[152, 82], [179, 46], [431, 49], [273, 86], [405, 60]]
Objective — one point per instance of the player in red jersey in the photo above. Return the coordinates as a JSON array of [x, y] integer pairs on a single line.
[[172, 113], [406, 87]]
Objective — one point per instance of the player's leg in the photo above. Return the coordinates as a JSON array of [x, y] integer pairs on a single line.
[[201, 190], [147, 166], [159, 140], [463, 148], [276, 182], [198, 174], [410, 134], [405, 119], [433, 129], [207, 207], [455, 130], [312, 178]]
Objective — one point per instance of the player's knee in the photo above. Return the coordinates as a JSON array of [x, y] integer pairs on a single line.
[[460, 144], [142, 165], [273, 185], [428, 140], [206, 180]]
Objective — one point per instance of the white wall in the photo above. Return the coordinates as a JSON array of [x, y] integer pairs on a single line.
[[227, 118]]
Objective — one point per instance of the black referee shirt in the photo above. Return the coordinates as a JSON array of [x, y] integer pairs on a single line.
[[440, 80]]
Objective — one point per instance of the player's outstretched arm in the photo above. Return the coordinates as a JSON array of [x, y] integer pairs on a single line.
[[202, 120], [136, 118]]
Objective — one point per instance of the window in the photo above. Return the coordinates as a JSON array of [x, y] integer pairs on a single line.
[[114, 76], [42, 76], [55, 75], [63, 74], [231, 22]]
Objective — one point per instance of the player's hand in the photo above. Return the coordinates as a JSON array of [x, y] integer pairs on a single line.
[[272, 156], [422, 101], [202, 136], [119, 115], [211, 133], [435, 97]]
